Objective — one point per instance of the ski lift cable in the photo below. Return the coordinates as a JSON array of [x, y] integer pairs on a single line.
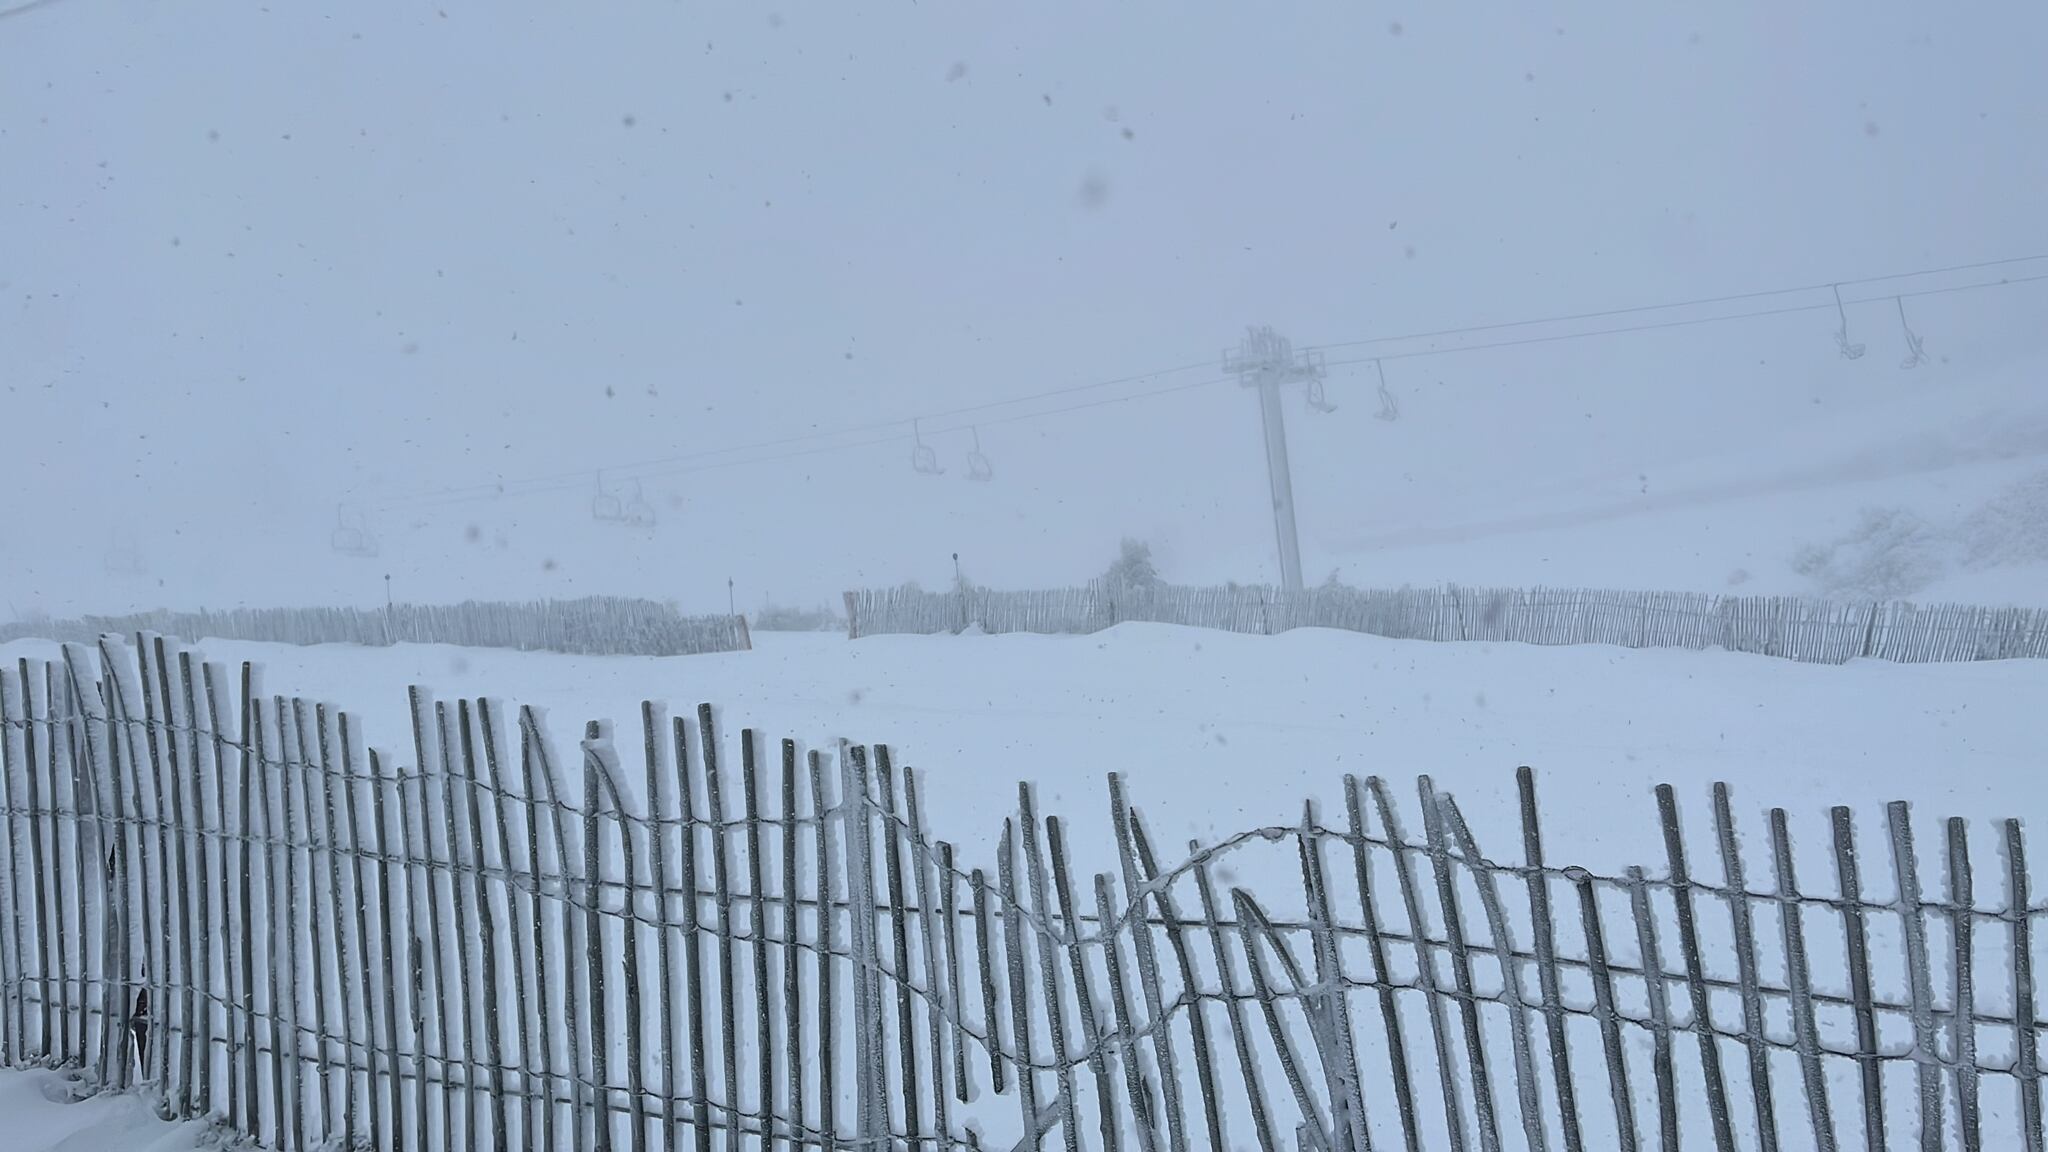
[[554, 481], [1732, 298], [1683, 322], [702, 461]]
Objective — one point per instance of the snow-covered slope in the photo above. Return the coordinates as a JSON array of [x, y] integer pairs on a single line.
[[1218, 732]]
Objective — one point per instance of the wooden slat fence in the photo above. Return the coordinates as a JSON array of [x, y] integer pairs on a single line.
[[1814, 631], [224, 901], [592, 625]]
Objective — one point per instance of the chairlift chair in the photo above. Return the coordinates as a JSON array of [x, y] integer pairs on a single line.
[[1916, 355], [123, 559], [638, 512], [1390, 408], [605, 505], [978, 467], [1849, 351], [922, 458], [352, 536]]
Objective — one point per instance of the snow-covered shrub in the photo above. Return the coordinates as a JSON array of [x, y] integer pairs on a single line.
[[1890, 554], [2010, 528]]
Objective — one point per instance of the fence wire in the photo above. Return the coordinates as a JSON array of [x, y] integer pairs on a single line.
[[225, 901]]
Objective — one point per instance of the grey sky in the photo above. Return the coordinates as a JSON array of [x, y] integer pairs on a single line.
[[255, 262]]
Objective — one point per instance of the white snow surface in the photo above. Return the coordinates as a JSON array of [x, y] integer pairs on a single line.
[[1217, 733], [40, 1116]]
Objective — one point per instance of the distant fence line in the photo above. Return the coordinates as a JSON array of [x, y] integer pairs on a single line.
[[590, 626], [1814, 631], [223, 900]]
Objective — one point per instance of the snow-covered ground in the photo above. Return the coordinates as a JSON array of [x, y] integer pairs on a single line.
[[41, 1116], [1217, 733]]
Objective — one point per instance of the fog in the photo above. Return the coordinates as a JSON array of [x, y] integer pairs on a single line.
[[258, 263]]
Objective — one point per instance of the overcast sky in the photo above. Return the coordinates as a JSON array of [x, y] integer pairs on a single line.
[[258, 260]]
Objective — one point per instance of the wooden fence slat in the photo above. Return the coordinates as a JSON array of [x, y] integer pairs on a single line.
[[792, 972], [728, 957], [427, 958], [1849, 885], [152, 1021], [693, 947], [1695, 970], [1448, 1074], [1919, 979], [939, 1003], [757, 928], [634, 1082], [462, 920], [1806, 1040], [1177, 937], [1340, 1055], [1545, 943], [346, 993], [949, 919], [1109, 923], [289, 1042], [1248, 917], [1148, 975], [899, 936], [1626, 1137], [828, 1101], [391, 868], [664, 956], [1020, 999], [360, 898], [185, 976], [1656, 990], [594, 967], [991, 1013], [1742, 923], [1049, 969], [1527, 1090], [1240, 1032], [1094, 1036], [13, 969], [542, 789], [1963, 1008], [2026, 1039]]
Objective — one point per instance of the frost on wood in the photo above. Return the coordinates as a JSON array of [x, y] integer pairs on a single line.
[[229, 902]]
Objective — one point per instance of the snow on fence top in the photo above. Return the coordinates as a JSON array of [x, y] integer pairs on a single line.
[[1814, 631], [591, 626], [222, 900]]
